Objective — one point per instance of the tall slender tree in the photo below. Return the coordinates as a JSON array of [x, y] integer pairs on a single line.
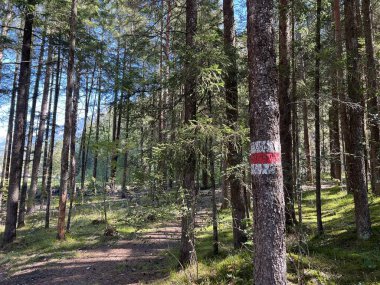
[[29, 145], [372, 102], [354, 139], [317, 74], [265, 159], [65, 165], [187, 249], [40, 135], [234, 153], [19, 133], [285, 111]]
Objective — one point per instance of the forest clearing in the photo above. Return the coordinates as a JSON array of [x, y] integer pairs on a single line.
[[189, 142]]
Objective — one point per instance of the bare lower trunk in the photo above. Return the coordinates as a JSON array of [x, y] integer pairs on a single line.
[[73, 167], [25, 180], [40, 135], [19, 134], [52, 139], [317, 121], [65, 173], [285, 113], [354, 139], [265, 159], [187, 247], [234, 156], [372, 99]]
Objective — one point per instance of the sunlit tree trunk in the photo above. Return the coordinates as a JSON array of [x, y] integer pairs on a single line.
[[19, 133], [265, 159], [25, 179], [65, 169], [40, 135]]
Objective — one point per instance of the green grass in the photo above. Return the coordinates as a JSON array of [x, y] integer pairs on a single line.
[[35, 243], [337, 257]]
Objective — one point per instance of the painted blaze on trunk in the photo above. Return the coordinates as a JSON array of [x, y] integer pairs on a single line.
[[265, 158]]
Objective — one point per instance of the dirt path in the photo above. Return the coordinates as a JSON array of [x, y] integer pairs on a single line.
[[141, 260]]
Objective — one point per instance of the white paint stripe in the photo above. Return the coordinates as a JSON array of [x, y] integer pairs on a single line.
[[264, 169], [265, 146]]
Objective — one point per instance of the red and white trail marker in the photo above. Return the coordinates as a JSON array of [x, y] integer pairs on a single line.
[[265, 157]]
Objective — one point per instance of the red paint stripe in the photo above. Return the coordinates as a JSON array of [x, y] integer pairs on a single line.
[[265, 158]]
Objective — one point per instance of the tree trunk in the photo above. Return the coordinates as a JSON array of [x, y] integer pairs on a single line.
[[265, 159], [187, 249], [45, 164], [83, 146], [73, 167], [95, 170], [65, 173], [40, 136], [52, 137], [234, 157], [285, 112], [354, 139], [9, 138], [317, 120], [372, 99], [114, 120], [19, 133], [4, 31], [24, 188]]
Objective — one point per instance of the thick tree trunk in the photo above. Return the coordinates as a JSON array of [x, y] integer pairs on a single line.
[[354, 139], [285, 112], [317, 120], [40, 136], [372, 99], [234, 156], [65, 173], [265, 159], [19, 133], [52, 137], [26, 174], [187, 247]]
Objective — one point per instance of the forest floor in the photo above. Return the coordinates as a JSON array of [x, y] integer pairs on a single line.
[[145, 247]]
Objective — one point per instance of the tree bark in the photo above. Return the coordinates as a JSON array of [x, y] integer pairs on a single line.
[[40, 136], [45, 164], [19, 133], [24, 188], [52, 136], [354, 139], [265, 159], [9, 138], [95, 170], [234, 156], [73, 167], [317, 120], [372, 99], [65, 173], [285, 112], [187, 249]]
